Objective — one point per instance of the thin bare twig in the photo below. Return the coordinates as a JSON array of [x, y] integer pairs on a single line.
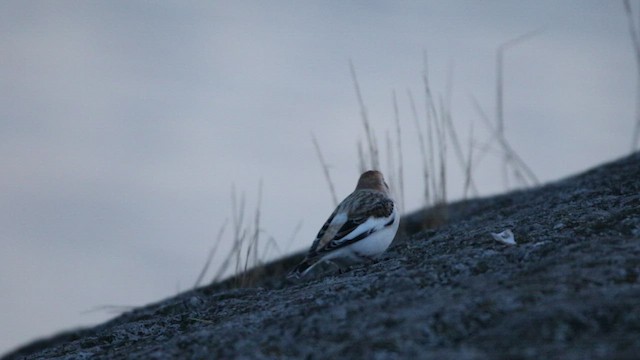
[[500, 52], [432, 126], [506, 147], [361, 163], [485, 149], [635, 40], [437, 119], [270, 243], [373, 150], [111, 309], [239, 230], [239, 234], [400, 158], [390, 162], [423, 151], [468, 170], [325, 170], [453, 134], [253, 244], [212, 252], [442, 150], [294, 233]]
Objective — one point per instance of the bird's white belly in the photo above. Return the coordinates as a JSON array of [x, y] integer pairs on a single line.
[[376, 243], [370, 247]]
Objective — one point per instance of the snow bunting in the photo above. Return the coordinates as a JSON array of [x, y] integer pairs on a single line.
[[360, 228]]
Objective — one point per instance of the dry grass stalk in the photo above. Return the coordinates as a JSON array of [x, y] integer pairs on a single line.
[[431, 123], [371, 140], [634, 32], [362, 167], [294, 234], [423, 151], [211, 254], [237, 243], [400, 184], [442, 151], [252, 249], [435, 118], [453, 134], [508, 155], [517, 162], [468, 167], [325, 170], [239, 232], [245, 254], [390, 163]]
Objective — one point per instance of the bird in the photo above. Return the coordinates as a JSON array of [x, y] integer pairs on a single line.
[[360, 229]]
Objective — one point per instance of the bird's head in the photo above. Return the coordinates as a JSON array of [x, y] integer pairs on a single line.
[[372, 180]]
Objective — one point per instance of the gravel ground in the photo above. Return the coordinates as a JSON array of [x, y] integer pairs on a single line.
[[570, 289]]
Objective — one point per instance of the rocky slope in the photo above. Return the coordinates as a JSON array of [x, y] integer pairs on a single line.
[[570, 289]]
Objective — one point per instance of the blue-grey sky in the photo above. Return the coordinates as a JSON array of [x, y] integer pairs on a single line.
[[124, 125]]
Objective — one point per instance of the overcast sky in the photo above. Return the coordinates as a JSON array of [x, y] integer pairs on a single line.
[[124, 125]]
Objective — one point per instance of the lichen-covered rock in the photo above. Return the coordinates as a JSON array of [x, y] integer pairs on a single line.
[[569, 289]]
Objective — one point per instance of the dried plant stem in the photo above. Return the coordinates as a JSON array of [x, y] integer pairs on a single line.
[[253, 244], [361, 163], [325, 170], [506, 147], [469, 164], [399, 150], [442, 151], [371, 141], [500, 52], [390, 162], [634, 32], [111, 309], [270, 243], [238, 235], [432, 124], [239, 232], [438, 121], [212, 252], [423, 151], [294, 233], [453, 134]]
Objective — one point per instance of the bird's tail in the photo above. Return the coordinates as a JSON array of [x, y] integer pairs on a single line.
[[302, 269]]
